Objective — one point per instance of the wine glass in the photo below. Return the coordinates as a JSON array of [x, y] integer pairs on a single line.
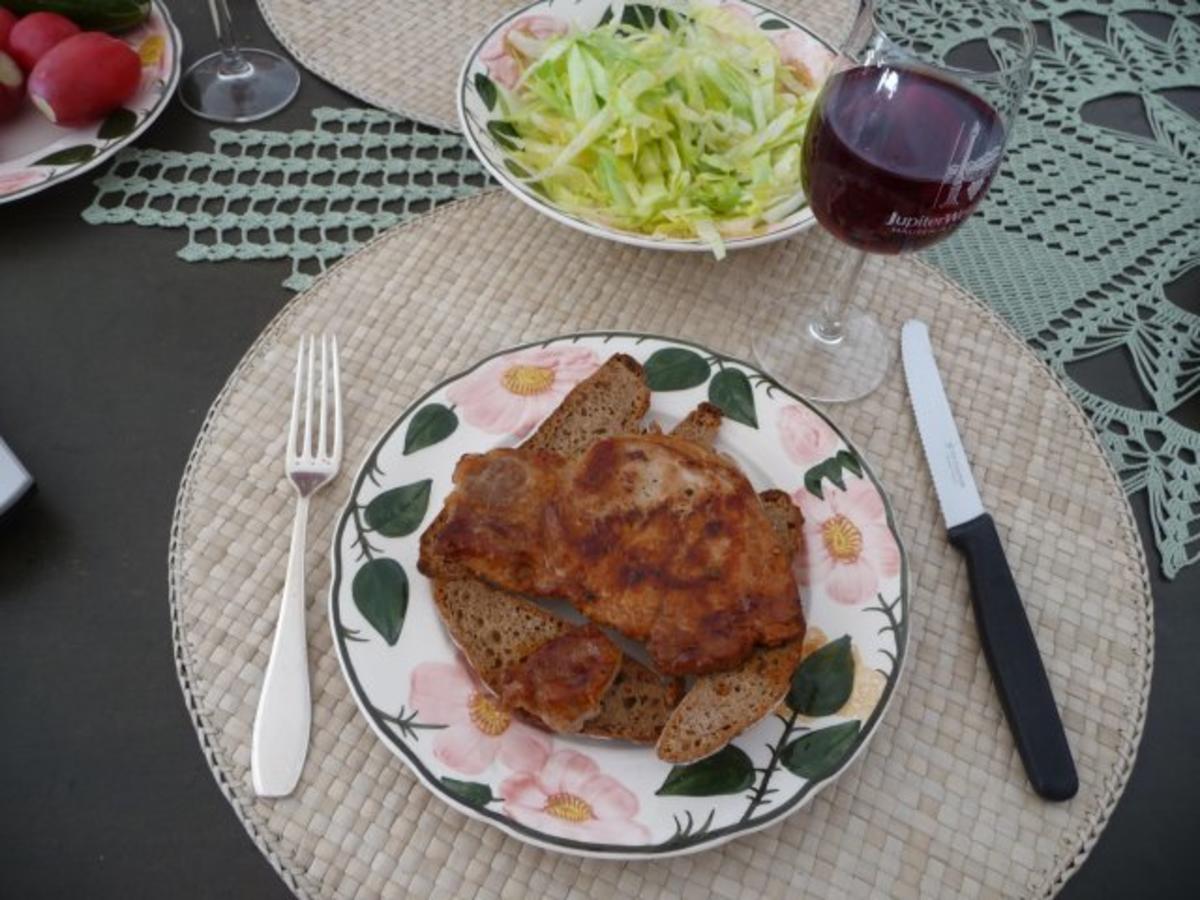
[[235, 84], [903, 141]]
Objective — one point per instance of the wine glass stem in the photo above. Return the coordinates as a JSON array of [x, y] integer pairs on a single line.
[[233, 63], [827, 326]]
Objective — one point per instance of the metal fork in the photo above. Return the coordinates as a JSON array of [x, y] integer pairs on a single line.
[[281, 726]]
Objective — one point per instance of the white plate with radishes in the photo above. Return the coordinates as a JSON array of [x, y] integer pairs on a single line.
[[70, 98]]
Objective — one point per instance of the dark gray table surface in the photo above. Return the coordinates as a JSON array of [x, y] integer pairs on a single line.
[[111, 350]]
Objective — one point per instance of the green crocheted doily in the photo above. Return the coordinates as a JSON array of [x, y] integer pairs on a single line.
[[310, 196], [1077, 239]]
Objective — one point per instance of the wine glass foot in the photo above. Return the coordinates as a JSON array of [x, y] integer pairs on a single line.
[[242, 88], [826, 371]]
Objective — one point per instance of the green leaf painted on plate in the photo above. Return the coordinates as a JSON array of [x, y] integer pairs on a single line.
[[728, 771], [832, 470], [849, 462], [430, 425], [68, 156], [399, 512], [380, 590], [471, 793], [639, 15], [818, 473], [486, 89], [772, 25], [730, 390], [118, 124], [821, 684], [675, 369], [818, 754], [504, 133]]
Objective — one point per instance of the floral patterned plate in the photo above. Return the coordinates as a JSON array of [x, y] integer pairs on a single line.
[[494, 61], [610, 798], [35, 154]]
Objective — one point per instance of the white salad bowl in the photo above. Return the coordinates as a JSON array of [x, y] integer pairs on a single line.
[[480, 116]]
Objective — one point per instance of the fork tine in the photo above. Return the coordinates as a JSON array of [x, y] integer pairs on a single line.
[[295, 423], [308, 400], [322, 450], [337, 404]]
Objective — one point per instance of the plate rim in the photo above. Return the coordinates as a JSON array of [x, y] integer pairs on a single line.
[[568, 846], [152, 115], [594, 229]]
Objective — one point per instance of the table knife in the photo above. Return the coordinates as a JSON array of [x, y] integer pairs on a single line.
[[1008, 641]]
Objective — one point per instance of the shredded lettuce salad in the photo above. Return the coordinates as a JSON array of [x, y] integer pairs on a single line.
[[689, 128]]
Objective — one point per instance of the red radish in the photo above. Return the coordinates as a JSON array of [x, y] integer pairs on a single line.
[[33, 36], [7, 21], [12, 86], [83, 78]]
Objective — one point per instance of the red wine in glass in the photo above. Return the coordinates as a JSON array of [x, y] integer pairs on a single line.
[[896, 158]]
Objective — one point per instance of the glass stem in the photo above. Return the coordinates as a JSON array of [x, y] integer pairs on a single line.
[[232, 62], [827, 326]]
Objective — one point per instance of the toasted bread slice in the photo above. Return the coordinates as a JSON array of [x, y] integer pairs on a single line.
[[495, 630], [701, 424], [611, 401], [785, 518], [722, 705], [636, 706]]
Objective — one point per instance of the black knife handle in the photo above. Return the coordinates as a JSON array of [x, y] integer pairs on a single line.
[[1012, 655]]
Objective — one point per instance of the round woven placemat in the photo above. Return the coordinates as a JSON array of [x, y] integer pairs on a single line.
[[405, 55], [938, 805]]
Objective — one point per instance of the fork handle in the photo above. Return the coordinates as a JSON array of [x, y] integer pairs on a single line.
[[281, 725]]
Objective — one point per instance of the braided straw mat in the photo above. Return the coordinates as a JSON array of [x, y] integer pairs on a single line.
[[938, 805], [405, 55]]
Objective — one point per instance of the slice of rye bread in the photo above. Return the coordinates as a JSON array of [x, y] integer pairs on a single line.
[[701, 425], [495, 629], [611, 401], [722, 705]]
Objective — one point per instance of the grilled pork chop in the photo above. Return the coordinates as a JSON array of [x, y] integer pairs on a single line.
[[656, 536]]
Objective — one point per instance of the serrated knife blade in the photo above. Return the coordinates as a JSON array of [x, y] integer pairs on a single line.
[[952, 479], [1004, 633]]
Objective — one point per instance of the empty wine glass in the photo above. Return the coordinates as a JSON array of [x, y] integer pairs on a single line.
[[236, 85], [902, 144]]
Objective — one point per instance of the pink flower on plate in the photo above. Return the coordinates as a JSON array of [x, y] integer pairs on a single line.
[[739, 11], [478, 730], [807, 438], [16, 181], [512, 394], [508, 53], [571, 798], [806, 57], [849, 549]]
